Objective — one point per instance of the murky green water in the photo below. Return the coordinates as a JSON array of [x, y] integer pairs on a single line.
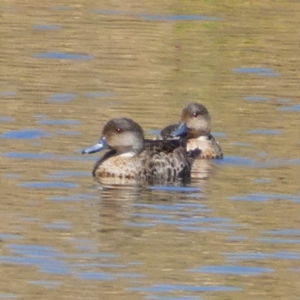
[[66, 68]]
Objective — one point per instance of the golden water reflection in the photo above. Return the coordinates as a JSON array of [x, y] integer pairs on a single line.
[[63, 235]]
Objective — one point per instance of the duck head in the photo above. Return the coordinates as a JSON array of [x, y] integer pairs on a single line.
[[122, 135]]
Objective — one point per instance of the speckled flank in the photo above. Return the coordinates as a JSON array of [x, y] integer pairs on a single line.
[[148, 166], [131, 158]]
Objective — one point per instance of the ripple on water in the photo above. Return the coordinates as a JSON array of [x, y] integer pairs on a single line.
[[8, 296], [6, 119], [61, 225], [42, 257], [247, 256], [206, 229], [61, 98], [262, 180], [58, 122], [173, 18], [48, 185], [163, 18], [265, 197], [75, 197], [236, 161], [61, 7], [169, 288], [290, 108], [176, 189], [256, 71], [95, 276], [62, 55], [232, 270], [278, 241], [282, 232], [183, 297], [49, 284], [7, 236], [46, 27], [66, 174], [8, 94], [25, 134], [264, 131], [99, 94], [257, 98], [45, 156]]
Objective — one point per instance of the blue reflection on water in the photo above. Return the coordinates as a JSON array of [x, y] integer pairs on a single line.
[[66, 174], [205, 229], [236, 160], [148, 17], [8, 296], [264, 131], [167, 288], [58, 122], [169, 18], [234, 257], [46, 156], [262, 180], [151, 216], [61, 7], [136, 224], [68, 132], [95, 276], [50, 260], [45, 258], [232, 270], [75, 197], [62, 55], [256, 98], [8, 94], [6, 119], [290, 108], [63, 225], [257, 71], [278, 241], [61, 97], [184, 297], [48, 185], [25, 134], [46, 27], [176, 189], [7, 236], [46, 283], [264, 197], [98, 94], [282, 231]]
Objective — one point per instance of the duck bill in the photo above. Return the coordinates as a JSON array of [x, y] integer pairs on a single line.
[[181, 130], [101, 145]]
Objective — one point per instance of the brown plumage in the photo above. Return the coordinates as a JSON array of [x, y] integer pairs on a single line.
[[195, 129], [133, 159]]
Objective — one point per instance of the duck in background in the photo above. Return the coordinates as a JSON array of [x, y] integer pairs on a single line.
[[195, 129], [132, 159]]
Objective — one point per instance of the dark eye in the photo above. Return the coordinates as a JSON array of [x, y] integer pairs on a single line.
[[119, 130], [195, 114]]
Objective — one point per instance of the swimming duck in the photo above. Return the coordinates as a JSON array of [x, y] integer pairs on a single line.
[[131, 158], [195, 127]]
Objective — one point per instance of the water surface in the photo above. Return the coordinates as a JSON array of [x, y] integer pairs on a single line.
[[66, 69]]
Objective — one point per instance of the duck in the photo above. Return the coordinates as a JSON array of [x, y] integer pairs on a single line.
[[195, 129], [133, 159]]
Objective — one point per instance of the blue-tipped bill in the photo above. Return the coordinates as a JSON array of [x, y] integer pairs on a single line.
[[181, 130], [101, 145]]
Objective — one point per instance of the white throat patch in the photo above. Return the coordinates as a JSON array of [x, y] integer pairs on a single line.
[[127, 154]]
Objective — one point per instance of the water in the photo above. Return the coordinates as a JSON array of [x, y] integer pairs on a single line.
[[66, 69]]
